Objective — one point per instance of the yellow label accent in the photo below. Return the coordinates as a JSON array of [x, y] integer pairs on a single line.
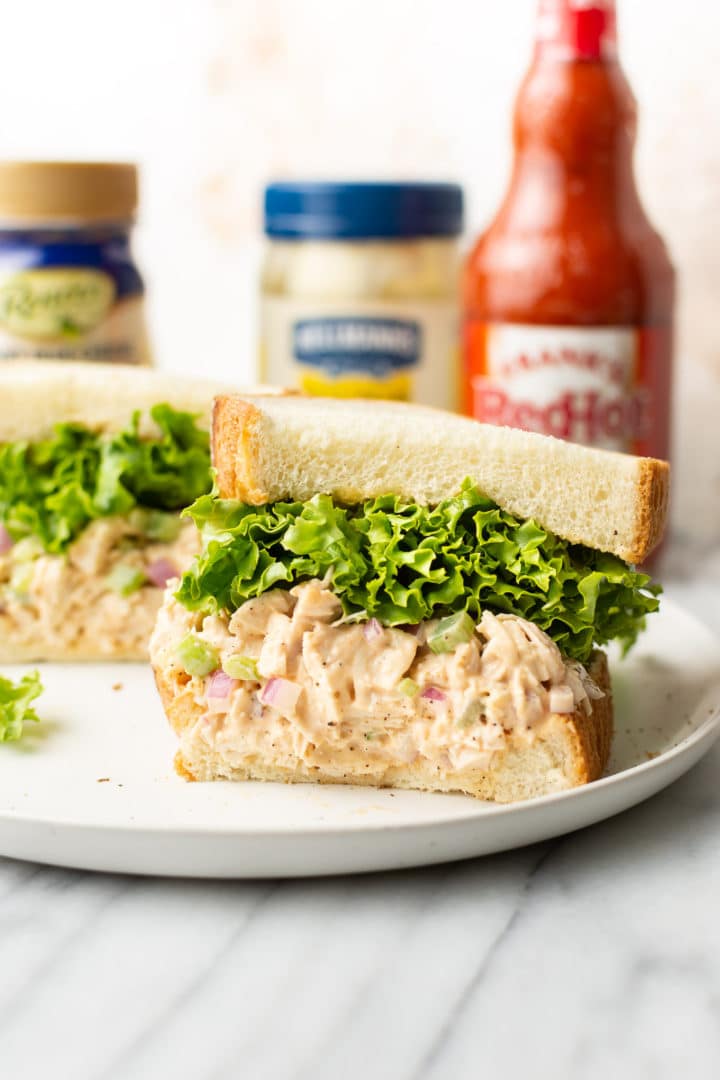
[[397, 387], [55, 304]]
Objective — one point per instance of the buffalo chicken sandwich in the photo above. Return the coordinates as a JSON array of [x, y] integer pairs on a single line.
[[96, 463], [394, 596]]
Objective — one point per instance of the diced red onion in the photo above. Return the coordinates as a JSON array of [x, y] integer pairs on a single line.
[[562, 700], [6, 540], [220, 685], [372, 630], [433, 694], [160, 572], [281, 694]]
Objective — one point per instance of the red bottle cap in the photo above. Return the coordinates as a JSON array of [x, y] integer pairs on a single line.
[[577, 29]]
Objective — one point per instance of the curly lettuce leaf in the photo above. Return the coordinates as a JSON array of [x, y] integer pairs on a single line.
[[16, 705], [54, 488], [403, 563]]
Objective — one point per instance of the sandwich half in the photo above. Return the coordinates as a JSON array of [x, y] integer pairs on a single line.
[[394, 596], [96, 463]]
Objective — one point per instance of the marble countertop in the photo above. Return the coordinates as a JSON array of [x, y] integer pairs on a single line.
[[592, 956]]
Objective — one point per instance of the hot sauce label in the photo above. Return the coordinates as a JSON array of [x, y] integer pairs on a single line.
[[601, 386]]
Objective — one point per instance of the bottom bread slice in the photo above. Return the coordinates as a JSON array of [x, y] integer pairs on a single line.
[[566, 751]]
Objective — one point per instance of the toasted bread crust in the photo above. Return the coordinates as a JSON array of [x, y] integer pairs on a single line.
[[593, 734], [355, 450], [653, 500], [181, 770], [568, 751], [235, 439]]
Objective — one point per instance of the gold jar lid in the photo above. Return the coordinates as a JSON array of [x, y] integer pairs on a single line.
[[67, 191]]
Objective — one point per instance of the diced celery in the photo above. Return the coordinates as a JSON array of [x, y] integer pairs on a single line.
[[156, 524], [138, 518], [21, 579], [125, 580], [241, 667], [163, 527], [27, 549], [408, 687], [196, 656], [470, 715], [450, 632]]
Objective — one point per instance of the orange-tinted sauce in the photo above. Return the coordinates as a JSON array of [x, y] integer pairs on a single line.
[[572, 247]]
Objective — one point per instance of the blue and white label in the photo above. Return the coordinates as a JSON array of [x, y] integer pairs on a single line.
[[405, 350], [343, 346]]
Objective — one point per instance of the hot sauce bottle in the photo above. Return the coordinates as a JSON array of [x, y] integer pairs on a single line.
[[568, 295]]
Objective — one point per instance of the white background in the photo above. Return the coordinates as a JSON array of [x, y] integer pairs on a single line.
[[213, 98]]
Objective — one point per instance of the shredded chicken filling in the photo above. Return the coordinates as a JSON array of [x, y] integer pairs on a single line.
[[69, 600], [349, 696]]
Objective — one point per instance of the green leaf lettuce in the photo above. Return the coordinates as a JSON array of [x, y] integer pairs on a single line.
[[16, 705], [54, 488], [402, 563]]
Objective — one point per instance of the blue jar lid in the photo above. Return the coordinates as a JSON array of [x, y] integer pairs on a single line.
[[362, 211]]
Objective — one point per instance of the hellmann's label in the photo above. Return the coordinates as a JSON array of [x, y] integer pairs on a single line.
[[403, 351], [69, 313], [338, 345], [357, 353], [600, 386]]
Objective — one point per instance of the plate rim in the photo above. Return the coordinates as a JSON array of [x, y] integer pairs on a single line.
[[480, 810]]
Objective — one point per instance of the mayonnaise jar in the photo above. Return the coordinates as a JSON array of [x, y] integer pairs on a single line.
[[360, 290], [69, 285]]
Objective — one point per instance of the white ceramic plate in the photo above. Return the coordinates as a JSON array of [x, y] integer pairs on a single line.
[[93, 786]]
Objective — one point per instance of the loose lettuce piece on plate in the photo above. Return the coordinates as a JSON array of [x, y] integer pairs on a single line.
[[16, 705]]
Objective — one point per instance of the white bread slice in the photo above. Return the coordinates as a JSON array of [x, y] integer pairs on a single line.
[[293, 448], [37, 394], [569, 750]]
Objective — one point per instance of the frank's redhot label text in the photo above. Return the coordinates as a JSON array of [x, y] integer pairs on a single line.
[[601, 386]]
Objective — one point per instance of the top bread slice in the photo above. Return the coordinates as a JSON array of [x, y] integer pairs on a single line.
[[294, 447], [37, 394]]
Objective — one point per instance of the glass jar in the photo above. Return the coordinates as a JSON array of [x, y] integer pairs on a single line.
[[69, 287], [360, 290]]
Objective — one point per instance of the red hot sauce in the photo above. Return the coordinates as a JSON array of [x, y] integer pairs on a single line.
[[569, 294]]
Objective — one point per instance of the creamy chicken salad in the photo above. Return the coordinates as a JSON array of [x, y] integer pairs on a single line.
[[102, 595], [90, 534], [287, 675]]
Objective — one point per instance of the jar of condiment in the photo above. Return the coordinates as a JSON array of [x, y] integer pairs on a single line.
[[360, 289], [69, 287]]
